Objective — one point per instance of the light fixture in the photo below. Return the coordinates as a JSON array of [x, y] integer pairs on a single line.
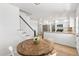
[[36, 3]]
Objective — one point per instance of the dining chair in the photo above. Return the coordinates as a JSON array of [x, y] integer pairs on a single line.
[[11, 50]]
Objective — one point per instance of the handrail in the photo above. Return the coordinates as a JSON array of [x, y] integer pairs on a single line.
[[28, 25]]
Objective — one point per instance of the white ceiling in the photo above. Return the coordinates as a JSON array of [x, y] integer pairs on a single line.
[[47, 9]]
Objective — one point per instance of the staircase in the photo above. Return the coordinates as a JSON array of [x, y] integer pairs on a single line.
[[34, 31]]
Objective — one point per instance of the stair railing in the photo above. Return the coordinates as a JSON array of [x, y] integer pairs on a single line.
[[28, 25]]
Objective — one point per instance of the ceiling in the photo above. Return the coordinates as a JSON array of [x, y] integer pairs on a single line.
[[48, 9]]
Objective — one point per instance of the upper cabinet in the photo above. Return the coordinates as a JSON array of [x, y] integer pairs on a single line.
[[63, 25]]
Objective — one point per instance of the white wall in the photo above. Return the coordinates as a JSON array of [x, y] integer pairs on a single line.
[[61, 38], [9, 25], [77, 29]]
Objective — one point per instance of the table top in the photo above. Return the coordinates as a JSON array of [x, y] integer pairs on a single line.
[[28, 48]]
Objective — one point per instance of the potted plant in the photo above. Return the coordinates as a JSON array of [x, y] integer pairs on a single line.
[[36, 40]]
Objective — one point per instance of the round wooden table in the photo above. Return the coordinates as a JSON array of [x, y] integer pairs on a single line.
[[28, 48]]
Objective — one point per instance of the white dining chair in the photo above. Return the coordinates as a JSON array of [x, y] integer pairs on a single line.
[[11, 50]]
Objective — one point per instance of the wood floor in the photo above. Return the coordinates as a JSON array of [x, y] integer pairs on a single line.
[[62, 50]]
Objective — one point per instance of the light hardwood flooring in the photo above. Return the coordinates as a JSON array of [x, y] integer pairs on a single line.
[[63, 50]]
